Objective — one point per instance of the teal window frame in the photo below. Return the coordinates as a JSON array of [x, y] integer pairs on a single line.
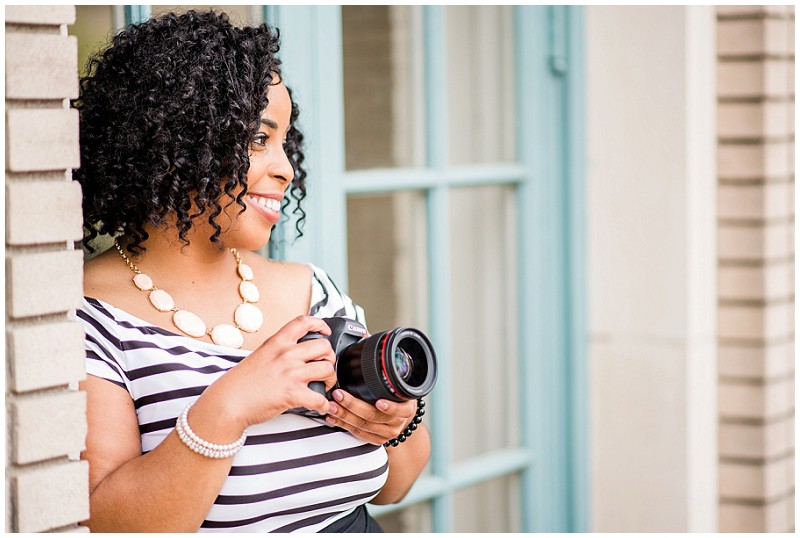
[[549, 178]]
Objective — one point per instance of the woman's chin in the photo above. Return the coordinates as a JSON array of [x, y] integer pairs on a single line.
[[256, 244], [247, 241]]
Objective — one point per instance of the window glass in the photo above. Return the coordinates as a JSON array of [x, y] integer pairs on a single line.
[[387, 252], [480, 84], [492, 506], [382, 87], [415, 518], [484, 320]]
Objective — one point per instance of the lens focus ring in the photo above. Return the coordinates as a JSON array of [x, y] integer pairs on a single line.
[[372, 367]]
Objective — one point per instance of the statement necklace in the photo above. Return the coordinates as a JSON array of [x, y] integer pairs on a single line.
[[247, 317]]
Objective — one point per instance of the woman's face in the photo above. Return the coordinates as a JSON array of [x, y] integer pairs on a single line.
[[269, 176]]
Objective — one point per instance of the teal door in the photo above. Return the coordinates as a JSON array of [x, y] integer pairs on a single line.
[[445, 157]]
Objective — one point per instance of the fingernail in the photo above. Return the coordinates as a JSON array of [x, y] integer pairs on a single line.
[[332, 409], [338, 395], [330, 420], [383, 406]]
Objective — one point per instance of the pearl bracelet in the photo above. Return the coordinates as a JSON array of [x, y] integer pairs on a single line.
[[200, 445]]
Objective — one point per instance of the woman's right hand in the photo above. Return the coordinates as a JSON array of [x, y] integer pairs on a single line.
[[275, 376]]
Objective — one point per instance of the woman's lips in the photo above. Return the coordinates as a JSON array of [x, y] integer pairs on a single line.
[[267, 205]]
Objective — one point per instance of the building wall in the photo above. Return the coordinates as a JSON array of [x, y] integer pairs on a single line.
[[46, 484], [755, 196], [642, 247], [651, 268]]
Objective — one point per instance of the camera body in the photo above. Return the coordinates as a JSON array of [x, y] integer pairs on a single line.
[[397, 365], [344, 333]]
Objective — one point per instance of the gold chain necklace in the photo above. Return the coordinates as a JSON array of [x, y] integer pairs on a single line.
[[247, 317]]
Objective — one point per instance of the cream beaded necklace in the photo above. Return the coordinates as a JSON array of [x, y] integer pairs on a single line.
[[247, 317]]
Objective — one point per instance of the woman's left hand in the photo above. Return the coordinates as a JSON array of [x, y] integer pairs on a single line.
[[374, 424]]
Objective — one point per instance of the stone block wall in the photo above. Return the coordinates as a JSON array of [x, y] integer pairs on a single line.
[[755, 160], [46, 483]]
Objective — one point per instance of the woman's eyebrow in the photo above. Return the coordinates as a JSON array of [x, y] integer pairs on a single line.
[[269, 123]]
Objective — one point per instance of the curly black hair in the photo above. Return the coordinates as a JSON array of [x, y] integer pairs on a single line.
[[167, 115]]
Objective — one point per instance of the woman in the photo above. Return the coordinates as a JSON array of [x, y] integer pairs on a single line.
[[190, 151]]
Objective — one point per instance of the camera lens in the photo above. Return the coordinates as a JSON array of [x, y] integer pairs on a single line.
[[396, 365], [403, 363]]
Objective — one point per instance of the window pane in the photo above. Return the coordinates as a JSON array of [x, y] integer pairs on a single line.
[[387, 244], [382, 86], [480, 84], [484, 320], [416, 518], [492, 506]]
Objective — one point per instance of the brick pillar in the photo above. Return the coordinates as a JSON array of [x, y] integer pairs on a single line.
[[46, 483], [756, 267]]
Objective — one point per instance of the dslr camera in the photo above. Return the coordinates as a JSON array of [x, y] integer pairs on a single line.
[[397, 365]]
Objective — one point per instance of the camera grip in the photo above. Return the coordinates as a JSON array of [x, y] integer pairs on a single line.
[[311, 336], [316, 386]]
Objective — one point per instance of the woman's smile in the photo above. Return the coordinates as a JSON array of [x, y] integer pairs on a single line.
[[268, 205]]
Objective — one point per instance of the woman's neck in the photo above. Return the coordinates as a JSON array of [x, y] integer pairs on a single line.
[[170, 262]]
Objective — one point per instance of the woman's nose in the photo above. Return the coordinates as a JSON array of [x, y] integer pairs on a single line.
[[282, 169]]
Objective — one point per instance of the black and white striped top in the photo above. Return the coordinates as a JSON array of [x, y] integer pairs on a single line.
[[293, 473]]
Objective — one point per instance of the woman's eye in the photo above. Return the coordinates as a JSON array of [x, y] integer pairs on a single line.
[[260, 139]]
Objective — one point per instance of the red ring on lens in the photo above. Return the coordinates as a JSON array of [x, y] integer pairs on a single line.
[[383, 363]]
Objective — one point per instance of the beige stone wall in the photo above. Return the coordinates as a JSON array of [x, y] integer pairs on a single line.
[[46, 484], [651, 268], [755, 126]]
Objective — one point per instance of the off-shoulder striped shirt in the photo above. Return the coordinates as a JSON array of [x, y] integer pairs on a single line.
[[293, 474]]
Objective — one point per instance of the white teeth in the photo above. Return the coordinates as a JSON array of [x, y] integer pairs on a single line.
[[268, 203]]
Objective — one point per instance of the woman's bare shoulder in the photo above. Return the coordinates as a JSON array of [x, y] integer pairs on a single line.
[[285, 271], [287, 283]]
